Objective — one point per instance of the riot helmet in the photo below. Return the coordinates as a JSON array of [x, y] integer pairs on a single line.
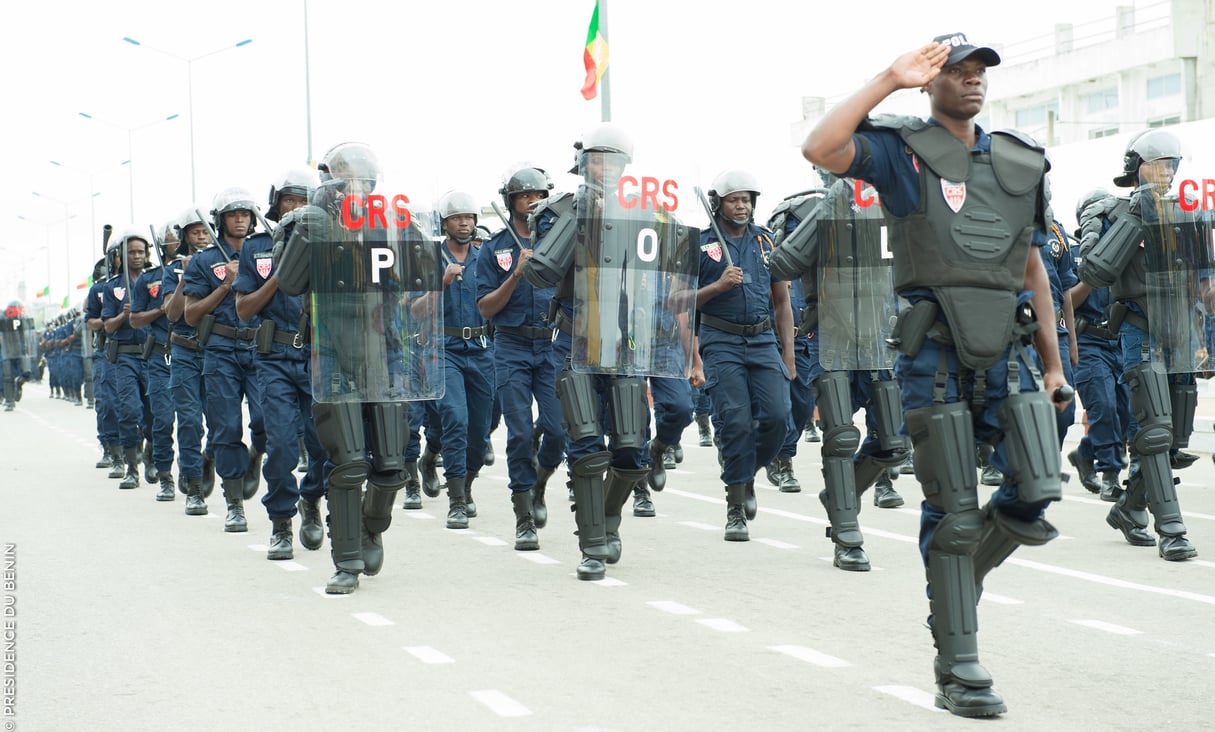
[[1146, 147], [523, 179], [1088, 199], [733, 181], [604, 138], [233, 199], [99, 270], [189, 219], [130, 233], [350, 161], [456, 203], [297, 182]]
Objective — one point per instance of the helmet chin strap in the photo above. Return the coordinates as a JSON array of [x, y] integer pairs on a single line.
[[462, 239]]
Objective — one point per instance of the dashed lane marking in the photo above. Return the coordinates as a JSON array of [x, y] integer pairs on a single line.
[[1107, 627], [777, 544], [699, 525], [1111, 581], [500, 703], [724, 625], [490, 540], [537, 558], [321, 591], [911, 695], [809, 655], [373, 619], [995, 599], [426, 654], [672, 607], [608, 582]]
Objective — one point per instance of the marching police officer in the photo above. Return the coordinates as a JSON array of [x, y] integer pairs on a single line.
[[523, 342], [149, 312], [124, 350], [745, 342], [103, 398], [962, 342], [14, 360]]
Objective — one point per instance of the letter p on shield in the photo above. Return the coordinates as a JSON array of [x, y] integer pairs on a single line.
[[382, 258]]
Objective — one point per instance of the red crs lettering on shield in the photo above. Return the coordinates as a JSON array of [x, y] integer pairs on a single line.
[[650, 192], [864, 195], [372, 211], [1197, 194]]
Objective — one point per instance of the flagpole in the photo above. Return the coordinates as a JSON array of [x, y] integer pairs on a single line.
[[605, 88]]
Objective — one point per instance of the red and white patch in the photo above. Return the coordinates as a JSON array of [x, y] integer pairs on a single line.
[[915, 162], [505, 259], [264, 266], [713, 250], [153, 289], [120, 292], [220, 271], [955, 194]]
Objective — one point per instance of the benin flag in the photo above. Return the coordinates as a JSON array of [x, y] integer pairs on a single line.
[[594, 57], [88, 282], [43, 292], [65, 302]]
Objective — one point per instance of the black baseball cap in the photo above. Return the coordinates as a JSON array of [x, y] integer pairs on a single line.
[[963, 49]]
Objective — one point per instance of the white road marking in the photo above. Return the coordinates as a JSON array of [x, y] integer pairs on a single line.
[[672, 607], [258, 547], [1107, 627], [809, 655], [374, 619], [777, 544], [290, 565], [911, 695], [1111, 581], [490, 541], [321, 591], [724, 625], [1202, 562], [426, 654], [609, 582], [420, 515], [699, 525], [500, 703], [538, 558]]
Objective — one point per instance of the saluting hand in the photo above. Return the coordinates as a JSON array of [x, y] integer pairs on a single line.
[[916, 68]]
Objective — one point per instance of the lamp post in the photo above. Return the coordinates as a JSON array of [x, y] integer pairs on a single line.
[[67, 237], [93, 192], [130, 161], [46, 228], [190, 87]]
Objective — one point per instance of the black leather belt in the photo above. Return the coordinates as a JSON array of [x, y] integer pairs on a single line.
[[130, 349], [736, 328], [227, 331], [187, 343], [161, 348], [295, 340], [526, 331], [465, 332]]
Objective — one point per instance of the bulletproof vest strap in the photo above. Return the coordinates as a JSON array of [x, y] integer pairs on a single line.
[[940, 150], [1018, 167]]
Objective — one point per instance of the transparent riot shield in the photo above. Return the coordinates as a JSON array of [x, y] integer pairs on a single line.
[[635, 270], [376, 258], [856, 300], [1177, 255]]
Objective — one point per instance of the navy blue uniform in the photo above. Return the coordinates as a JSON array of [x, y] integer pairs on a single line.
[[228, 368], [150, 295], [103, 392], [185, 383], [285, 381], [523, 367], [805, 357], [893, 170], [744, 374], [127, 374], [1061, 270]]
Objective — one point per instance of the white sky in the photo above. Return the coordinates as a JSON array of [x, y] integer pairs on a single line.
[[449, 93]]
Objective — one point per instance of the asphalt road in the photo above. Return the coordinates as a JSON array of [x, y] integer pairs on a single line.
[[122, 613]]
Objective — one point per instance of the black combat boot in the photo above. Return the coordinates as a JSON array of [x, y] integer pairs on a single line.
[[658, 468], [539, 509], [1086, 471], [489, 452], [234, 492], [750, 506], [643, 507], [106, 460], [1110, 487], [118, 467], [413, 494], [457, 508], [196, 505], [280, 540], [150, 474], [167, 490], [1129, 514], [617, 487], [253, 474], [706, 433], [736, 518], [208, 475], [428, 467], [131, 478], [312, 534], [884, 494], [470, 506], [676, 452], [525, 525], [302, 465]]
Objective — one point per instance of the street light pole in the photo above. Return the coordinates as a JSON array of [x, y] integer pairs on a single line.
[[93, 192], [190, 90], [130, 161]]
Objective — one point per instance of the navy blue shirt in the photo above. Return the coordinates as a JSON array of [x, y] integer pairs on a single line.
[[256, 268], [205, 273], [149, 295], [528, 305], [751, 302], [92, 306], [1059, 265], [171, 275], [113, 297], [460, 301]]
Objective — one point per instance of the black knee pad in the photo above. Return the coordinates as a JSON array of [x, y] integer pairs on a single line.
[[339, 428], [579, 404], [888, 412], [1031, 442], [1184, 399], [629, 412], [944, 440], [389, 428]]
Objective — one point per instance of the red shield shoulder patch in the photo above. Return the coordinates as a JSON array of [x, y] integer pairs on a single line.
[[220, 271], [505, 259], [264, 266], [153, 289], [713, 249], [955, 194], [120, 292]]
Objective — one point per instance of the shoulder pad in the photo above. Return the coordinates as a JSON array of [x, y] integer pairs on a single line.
[[893, 122], [1020, 137], [1019, 163], [557, 205]]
